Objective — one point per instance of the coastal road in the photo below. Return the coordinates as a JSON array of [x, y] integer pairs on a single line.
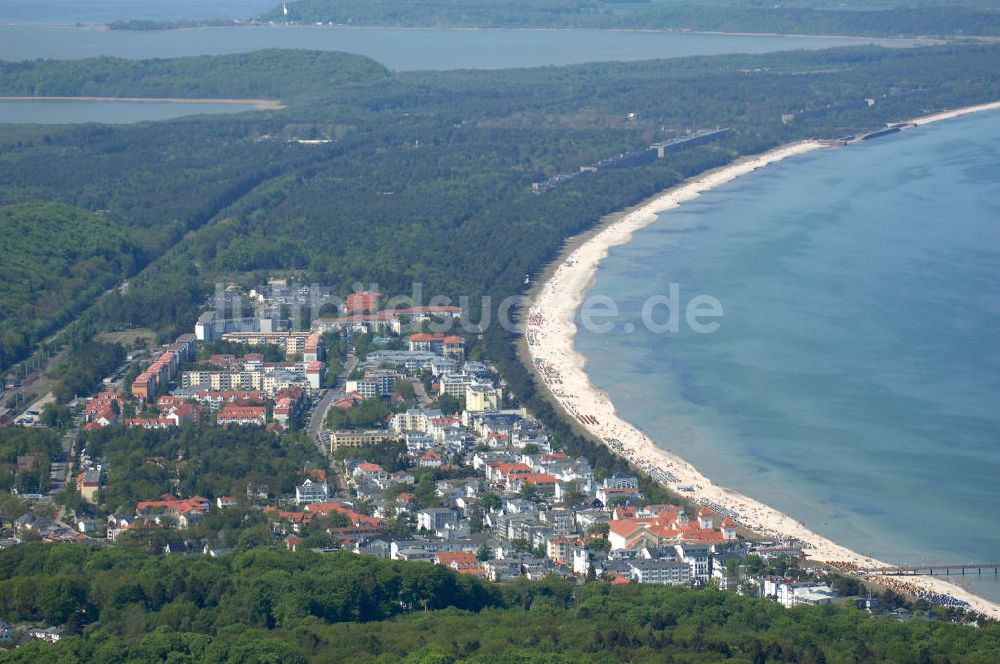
[[321, 409], [418, 389]]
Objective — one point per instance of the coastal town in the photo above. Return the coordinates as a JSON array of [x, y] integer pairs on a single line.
[[418, 454]]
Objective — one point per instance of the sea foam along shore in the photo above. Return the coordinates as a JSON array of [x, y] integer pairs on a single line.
[[550, 334]]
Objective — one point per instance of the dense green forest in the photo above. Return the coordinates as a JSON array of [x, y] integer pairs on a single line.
[[267, 74], [826, 18], [427, 178], [207, 461], [57, 259], [271, 606], [35, 448], [421, 163]]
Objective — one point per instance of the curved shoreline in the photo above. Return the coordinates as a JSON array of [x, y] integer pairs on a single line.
[[550, 339], [259, 104]]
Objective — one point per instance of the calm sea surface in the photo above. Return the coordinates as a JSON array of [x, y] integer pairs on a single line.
[[854, 382], [397, 48]]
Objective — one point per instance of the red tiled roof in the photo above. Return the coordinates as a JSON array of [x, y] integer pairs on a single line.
[[171, 504], [363, 301], [457, 559], [356, 518], [507, 468], [538, 479]]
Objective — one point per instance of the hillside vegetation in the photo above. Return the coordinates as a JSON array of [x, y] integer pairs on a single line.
[[877, 19], [267, 74], [272, 606], [420, 163], [56, 260]]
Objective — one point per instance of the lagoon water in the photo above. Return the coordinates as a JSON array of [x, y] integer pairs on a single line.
[[52, 111], [105, 11], [854, 382], [400, 49]]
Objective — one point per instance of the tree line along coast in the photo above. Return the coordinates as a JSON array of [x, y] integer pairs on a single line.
[[406, 169]]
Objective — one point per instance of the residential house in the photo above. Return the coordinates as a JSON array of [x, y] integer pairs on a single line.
[[370, 471], [430, 459], [662, 572], [88, 483], [435, 518], [312, 492], [242, 416]]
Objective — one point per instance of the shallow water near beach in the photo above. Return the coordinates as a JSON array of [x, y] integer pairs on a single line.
[[854, 382]]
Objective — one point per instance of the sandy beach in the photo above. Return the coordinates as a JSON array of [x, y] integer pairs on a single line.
[[550, 342]]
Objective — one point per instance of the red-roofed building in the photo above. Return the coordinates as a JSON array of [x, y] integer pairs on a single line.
[[242, 415], [314, 349], [370, 470], [315, 474], [144, 387], [315, 372], [362, 302], [457, 560], [475, 571], [606, 494], [449, 346], [349, 401], [560, 549], [425, 312], [498, 471], [104, 404], [356, 518], [105, 417], [543, 482], [168, 401], [222, 361], [184, 414], [88, 483], [670, 526], [216, 398], [184, 509], [295, 519], [149, 423], [431, 459]]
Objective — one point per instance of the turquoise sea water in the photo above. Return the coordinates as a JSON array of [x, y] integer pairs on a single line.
[[399, 49], [854, 382]]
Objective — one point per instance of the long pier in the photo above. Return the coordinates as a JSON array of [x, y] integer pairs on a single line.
[[960, 569]]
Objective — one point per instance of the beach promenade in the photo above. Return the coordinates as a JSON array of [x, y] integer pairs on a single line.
[[550, 341]]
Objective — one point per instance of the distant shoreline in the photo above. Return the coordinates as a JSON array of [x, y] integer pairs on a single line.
[[259, 104], [914, 40], [549, 343]]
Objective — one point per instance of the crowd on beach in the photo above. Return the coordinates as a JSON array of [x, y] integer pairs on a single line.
[[919, 591]]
